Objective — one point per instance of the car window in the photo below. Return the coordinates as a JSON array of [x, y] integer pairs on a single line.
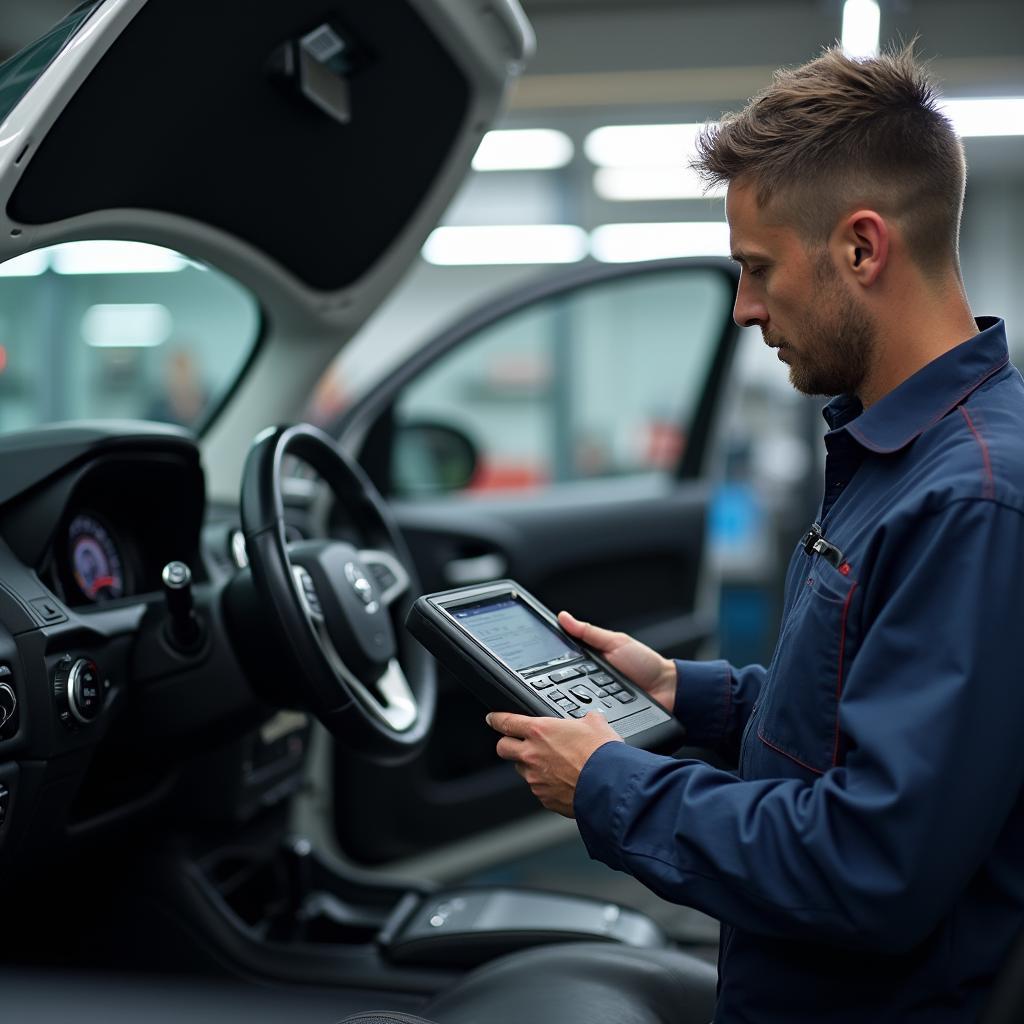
[[113, 329], [599, 382], [19, 73]]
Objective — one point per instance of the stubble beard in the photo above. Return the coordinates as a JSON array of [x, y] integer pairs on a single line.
[[836, 348]]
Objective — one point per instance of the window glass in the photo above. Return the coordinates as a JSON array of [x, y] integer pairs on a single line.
[[603, 381], [18, 73], [118, 330]]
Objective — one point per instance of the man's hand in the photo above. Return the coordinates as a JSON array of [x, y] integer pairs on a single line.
[[648, 669], [550, 753]]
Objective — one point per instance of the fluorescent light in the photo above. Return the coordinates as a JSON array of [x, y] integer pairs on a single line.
[[506, 243], [28, 264], [527, 149], [861, 20], [127, 325], [624, 184], [114, 258], [986, 116], [642, 145], [629, 243]]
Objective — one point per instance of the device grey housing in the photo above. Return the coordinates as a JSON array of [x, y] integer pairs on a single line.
[[499, 688]]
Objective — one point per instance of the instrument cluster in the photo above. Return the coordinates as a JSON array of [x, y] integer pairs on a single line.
[[94, 558]]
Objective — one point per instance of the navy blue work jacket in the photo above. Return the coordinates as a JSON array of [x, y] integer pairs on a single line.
[[867, 860]]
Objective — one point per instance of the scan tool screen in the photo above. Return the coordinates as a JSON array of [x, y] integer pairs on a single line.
[[515, 634]]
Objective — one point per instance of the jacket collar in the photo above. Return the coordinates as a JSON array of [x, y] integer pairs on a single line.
[[925, 397]]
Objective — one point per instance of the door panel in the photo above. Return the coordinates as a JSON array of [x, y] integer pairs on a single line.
[[625, 550]]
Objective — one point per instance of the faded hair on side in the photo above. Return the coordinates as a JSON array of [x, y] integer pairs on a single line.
[[840, 133]]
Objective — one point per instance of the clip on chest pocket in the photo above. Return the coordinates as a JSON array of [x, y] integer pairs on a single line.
[[799, 717], [814, 543]]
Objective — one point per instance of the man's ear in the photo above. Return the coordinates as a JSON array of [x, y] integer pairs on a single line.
[[862, 245]]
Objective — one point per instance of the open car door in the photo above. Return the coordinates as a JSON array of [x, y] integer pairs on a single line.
[[560, 437]]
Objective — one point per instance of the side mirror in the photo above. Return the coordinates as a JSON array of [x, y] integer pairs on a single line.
[[431, 458]]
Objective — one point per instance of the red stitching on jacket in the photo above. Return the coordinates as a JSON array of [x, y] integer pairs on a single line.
[[988, 489], [917, 433], [839, 676], [786, 753]]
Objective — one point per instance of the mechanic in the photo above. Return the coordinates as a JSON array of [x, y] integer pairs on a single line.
[[867, 860]]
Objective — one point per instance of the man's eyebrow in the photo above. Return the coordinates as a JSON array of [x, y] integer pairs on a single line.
[[742, 258]]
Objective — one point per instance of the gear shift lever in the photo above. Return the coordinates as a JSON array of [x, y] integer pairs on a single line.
[[184, 630]]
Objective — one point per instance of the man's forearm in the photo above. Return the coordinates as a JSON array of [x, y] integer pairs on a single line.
[[714, 700]]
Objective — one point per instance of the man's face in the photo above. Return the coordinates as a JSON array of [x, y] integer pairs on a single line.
[[799, 300]]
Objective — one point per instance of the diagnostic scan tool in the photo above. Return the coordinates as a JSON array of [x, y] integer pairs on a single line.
[[509, 650]]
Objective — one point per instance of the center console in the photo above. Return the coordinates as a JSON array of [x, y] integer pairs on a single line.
[[283, 912]]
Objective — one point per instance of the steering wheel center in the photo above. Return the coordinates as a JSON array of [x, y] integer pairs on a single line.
[[335, 585]]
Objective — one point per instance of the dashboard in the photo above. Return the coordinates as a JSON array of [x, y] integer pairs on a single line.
[[126, 517], [102, 717]]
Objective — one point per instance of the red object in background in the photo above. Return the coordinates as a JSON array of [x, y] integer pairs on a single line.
[[663, 444], [3, 358], [507, 476]]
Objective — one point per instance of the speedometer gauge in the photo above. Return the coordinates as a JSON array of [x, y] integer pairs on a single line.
[[95, 561]]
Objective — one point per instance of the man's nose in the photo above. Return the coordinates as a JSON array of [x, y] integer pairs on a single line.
[[748, 311]]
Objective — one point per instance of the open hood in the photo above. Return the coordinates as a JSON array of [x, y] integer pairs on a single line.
[[306, 147]]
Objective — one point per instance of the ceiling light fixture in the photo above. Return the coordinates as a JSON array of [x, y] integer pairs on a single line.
[[28, 264], [861, 20], [631, 243], [506, 244], [114, 258], [523, 149], [642, 145], [985, 116], [628, 184], [127, 325]]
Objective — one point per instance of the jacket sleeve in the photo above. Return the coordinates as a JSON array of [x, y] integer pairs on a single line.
[[874, 852], [714, 701]]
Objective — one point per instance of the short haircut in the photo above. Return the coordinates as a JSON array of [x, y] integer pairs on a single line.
[[840, 133]]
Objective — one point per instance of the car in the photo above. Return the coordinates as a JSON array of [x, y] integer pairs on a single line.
[[201, 203]]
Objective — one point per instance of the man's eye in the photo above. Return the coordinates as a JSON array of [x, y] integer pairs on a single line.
[[758, 272]]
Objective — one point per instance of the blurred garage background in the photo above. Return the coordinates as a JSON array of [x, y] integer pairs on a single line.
[[588, 164]]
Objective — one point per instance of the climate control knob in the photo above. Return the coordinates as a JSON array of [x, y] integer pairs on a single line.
[[79, 690]]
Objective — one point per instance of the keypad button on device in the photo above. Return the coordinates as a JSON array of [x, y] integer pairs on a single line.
[[613, 687], [624, 697], [541, 683], [578, 713], [563, 674], [601, 678], [582, 694], [588, 666]]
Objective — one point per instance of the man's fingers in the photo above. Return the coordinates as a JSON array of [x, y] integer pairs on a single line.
[[593, 636], [509, 749], [509, 724]]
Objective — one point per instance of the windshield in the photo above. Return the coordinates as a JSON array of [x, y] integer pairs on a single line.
[[19, 73], [118, 330]]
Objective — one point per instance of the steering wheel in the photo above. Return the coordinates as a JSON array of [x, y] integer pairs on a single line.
[[340, 606]]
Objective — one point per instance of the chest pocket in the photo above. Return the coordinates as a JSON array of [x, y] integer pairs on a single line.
[[798, 716]]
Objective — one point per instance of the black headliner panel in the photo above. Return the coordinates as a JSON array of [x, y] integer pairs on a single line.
[[181, 116]]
